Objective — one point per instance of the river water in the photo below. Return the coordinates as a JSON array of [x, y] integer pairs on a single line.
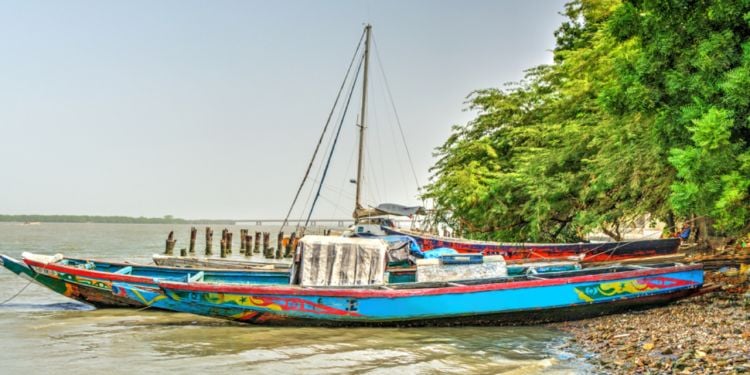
[[41, 330]]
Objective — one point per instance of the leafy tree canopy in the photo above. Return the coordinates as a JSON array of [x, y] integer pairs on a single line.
[[646, 109]]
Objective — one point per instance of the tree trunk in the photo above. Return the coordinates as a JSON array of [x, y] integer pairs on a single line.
[[670, 223], [614, 232]]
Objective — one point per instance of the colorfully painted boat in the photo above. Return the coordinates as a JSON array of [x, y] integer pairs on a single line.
[[591, 252], [91, 281], [83, 293], [366, 300]]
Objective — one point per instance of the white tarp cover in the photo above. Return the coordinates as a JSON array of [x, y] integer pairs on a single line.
[[434, 270], [342, 261]]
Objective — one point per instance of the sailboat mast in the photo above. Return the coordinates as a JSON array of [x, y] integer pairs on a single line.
[[363, 120]]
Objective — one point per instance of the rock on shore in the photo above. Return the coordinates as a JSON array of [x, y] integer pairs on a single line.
[[707, 334]]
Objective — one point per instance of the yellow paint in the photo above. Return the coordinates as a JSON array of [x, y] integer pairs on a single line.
[[583, 295], [621, 287], [148, 302], [240, 300]]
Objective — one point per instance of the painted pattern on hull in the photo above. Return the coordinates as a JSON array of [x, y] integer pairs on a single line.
[[269, 303], [593, 292], [488, 302]]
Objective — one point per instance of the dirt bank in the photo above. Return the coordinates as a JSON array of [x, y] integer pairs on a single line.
[[706, 334]]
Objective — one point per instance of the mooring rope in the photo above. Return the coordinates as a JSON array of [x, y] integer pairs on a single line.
[[20, 291]]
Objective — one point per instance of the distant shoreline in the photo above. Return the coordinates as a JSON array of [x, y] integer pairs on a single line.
[[105, 219]]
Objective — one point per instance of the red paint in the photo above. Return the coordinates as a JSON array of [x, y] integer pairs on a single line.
[[90, 273], [664, 282], [395, 293], [592, 252]]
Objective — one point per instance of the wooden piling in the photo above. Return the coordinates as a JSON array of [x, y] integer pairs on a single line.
[[280, 245], [223, 251], [193, 236], [209, 240], [257, 243], [169, 250], [290, 245], [229, 242], [223, 241], [183, 252], [267, 245], [248, 241], [243, 243]]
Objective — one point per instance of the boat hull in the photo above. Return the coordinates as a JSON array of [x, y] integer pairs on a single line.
[[516, 302], [592, 252], [64, 285], [95, 286]]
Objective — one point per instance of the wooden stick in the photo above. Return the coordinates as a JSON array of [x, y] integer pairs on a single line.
[[257, 242], [169, 250], [193, 236], [267, 245], [279, 240], [229, 242], [290, 245], [209, 240], [248, 241], [243, 243]]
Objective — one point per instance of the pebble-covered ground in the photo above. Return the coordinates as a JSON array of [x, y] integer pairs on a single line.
[[707, 334]]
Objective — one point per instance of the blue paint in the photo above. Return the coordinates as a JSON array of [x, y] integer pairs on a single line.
[[436, 306]]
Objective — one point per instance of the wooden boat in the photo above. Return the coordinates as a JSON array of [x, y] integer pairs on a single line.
[[55, 284], [219, 263], [591, 252], [519, 299], [90, 281]]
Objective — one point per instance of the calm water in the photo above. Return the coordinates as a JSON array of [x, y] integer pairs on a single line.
[[42, 330]]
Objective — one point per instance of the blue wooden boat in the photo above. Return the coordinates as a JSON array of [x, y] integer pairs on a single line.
[[90, 281], [506, 300]]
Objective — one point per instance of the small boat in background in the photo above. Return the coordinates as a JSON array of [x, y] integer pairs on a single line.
[[592, 252]]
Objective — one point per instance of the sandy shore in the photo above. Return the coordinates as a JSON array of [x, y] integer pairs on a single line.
[[707, 334]]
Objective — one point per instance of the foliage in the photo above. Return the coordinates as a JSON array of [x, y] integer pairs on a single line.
[[645, 110]]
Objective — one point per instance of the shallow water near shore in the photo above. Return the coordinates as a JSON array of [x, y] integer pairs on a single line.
[[41, 329]]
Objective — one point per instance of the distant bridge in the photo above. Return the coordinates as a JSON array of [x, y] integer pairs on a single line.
[[312, 223]]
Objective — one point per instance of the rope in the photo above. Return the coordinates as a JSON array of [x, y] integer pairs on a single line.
[[395, 112], [325, 128], [20, 291], [333, 147]]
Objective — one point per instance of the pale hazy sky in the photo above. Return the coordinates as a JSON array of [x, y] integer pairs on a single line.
[[211, 109]]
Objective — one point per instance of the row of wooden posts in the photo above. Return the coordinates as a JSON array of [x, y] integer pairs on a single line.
[[249, 245]]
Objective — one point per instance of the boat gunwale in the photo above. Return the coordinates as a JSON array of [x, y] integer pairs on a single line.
[[89, 273], [371, 292], [534, 245], [112, 276]]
